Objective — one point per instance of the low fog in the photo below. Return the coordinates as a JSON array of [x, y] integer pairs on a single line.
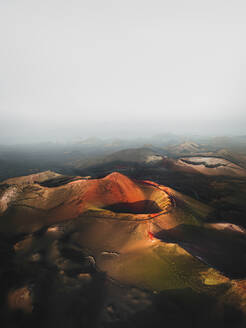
[[75, 69]]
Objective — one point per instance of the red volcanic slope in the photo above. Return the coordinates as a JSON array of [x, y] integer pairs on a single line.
[[35, 206], [114, 188]]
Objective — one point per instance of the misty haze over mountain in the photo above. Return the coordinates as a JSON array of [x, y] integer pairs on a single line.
[[121, 69], [32, 132]]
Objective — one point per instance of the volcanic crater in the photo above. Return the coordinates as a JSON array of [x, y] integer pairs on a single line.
[[37, 205], [140, 207]]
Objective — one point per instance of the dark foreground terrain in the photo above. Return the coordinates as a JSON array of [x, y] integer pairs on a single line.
[[124, 235]]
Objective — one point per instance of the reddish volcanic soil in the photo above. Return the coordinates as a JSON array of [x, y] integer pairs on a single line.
[[31, 206], [114, 188]]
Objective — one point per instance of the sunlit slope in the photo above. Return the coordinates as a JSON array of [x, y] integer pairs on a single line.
[[28, 206], [32, 178]]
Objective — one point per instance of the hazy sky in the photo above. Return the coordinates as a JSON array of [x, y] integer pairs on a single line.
[[76, 68]]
